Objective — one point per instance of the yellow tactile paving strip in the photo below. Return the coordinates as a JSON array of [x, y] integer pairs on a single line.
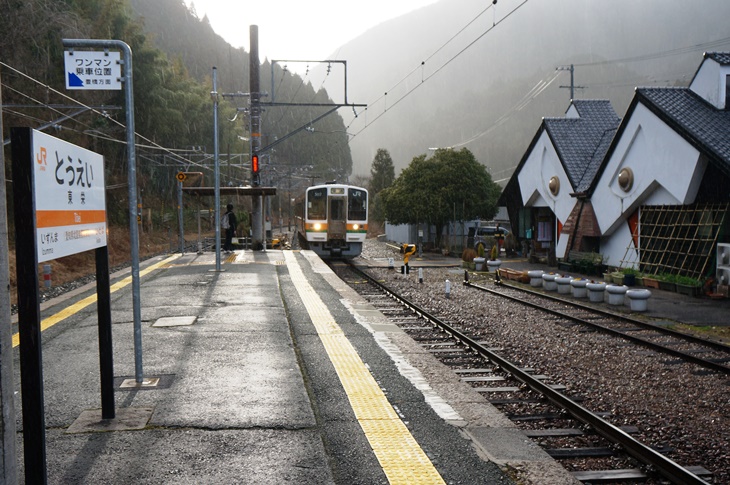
[[402, 459], [80, 305]]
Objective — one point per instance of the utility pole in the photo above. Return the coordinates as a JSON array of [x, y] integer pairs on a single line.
[[257, 227], [8, 472], [572, 86]]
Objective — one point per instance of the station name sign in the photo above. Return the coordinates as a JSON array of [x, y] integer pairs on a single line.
[[70, 198]]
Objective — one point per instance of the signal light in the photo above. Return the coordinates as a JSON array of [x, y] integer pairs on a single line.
[[255, 180]]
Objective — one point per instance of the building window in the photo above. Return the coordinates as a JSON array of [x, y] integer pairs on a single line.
[[554, 185], [626, 179], [727, 91]]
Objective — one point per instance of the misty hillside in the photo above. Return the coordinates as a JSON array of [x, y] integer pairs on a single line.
[[490, 96], [175, 29]]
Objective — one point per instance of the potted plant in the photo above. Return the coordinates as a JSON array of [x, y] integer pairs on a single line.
[[687, 285], [667, 282], [493, 262], [608, 276], [617, 277], [607, 271], [629, 276], [468, 256], [479, 259], [651, 281], [639, 277]]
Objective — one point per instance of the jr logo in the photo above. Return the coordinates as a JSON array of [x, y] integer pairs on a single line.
[[40, 159]]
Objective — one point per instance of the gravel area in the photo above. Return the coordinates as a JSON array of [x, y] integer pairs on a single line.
[[677, 406]]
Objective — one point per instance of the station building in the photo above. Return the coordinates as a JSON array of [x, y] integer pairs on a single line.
[[651, 191]]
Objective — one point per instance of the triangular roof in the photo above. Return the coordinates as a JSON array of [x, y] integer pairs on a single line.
[[582, 142], [700, 123], [722, 58]]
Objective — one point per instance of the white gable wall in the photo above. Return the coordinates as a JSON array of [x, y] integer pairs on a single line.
[[541, 165], [667, 171], [613, 248], [709, 82], [572, 112]]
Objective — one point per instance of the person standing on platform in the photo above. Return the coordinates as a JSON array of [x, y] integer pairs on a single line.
[[229, 223]]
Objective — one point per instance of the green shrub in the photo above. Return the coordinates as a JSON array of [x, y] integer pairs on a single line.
[[687, 281], [667, 277]]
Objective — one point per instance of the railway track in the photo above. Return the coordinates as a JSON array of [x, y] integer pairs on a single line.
[[604, 452], [706, 353]]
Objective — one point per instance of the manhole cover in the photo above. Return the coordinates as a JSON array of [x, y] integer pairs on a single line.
[[174, 321]]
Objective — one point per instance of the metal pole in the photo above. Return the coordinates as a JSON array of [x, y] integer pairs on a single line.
[[572, 82], [217, 183], [29, 311], [181, 230], [8, 471], [132, 186], [200, 238], [257, 227], [104, 318]]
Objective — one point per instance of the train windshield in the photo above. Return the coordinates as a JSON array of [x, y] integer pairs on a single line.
[[317, 204], [357, 205], [337, 209]]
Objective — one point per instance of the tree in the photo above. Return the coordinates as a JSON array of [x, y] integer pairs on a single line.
[[449, 185], [382, 172], [382, 175]]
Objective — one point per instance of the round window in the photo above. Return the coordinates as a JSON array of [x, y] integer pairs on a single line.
[[626, 179], [554, 185]]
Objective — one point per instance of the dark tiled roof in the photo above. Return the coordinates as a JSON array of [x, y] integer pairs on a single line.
[[699, 122], [582, 142], [722, 58]]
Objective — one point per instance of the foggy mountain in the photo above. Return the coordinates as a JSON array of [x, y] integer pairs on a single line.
[[465, 73]]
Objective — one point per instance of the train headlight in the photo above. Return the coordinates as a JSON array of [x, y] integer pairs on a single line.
[[317, 226], [356, 226]]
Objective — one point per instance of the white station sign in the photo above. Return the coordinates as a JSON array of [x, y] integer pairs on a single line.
[[93, 70], [70, 198]]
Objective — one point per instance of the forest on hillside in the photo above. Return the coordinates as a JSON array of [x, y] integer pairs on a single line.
[[173, 55]]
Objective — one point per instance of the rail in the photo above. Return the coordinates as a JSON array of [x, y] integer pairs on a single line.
[[670, 470]]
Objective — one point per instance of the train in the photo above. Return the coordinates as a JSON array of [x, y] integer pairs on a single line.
[[332, 220]]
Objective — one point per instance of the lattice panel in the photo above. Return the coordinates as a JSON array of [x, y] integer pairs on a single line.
[[679, 239]]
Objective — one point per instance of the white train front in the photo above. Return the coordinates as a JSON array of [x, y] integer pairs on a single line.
[[332, 220]]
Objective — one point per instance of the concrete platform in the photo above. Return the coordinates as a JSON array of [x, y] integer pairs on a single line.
[[246, 390]]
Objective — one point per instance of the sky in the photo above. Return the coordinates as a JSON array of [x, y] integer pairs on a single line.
[[298, 30]]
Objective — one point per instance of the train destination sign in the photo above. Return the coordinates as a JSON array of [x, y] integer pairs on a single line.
[[70, 199], [93, 70]]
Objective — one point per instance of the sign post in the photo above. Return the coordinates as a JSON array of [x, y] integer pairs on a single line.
[[60, 209], [126, 77]]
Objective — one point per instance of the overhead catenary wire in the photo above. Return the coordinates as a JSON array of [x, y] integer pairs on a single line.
[[537, 89], [660, 54], [439, 69], [422, 64], [152, 144]]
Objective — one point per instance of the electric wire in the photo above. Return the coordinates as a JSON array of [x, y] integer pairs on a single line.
[[152, 144], [439, 69], [423, 63], [538, 89], [660, 54]]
